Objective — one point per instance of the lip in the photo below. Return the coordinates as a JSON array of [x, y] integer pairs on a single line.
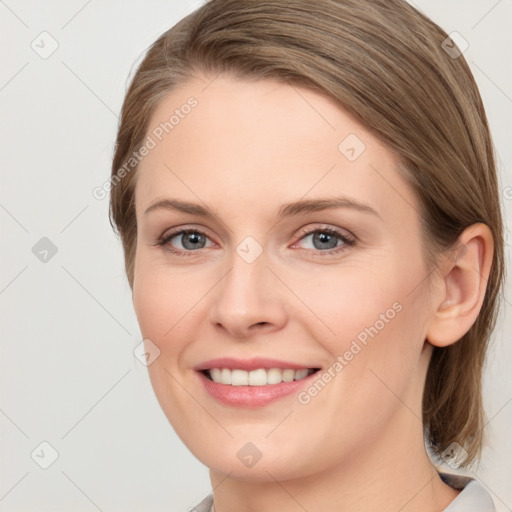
[[249, 364], [252, 396]]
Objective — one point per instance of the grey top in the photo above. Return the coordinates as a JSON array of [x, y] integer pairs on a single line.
[[472, 498]]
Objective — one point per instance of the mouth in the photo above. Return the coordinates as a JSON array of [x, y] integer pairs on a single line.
[[257, 377], [253, 383]]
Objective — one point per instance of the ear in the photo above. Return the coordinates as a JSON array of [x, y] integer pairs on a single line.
[[463, 282]]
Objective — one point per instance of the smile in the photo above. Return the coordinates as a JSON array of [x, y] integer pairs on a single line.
[[253, 383], [258, 377]]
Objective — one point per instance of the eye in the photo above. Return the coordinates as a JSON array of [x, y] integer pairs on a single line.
[[184, 240], [326, 240], [322, 240]]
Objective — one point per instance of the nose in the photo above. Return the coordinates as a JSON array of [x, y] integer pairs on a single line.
[[249, 300]]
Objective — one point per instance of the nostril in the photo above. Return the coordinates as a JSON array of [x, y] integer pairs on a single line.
[[259, 324]]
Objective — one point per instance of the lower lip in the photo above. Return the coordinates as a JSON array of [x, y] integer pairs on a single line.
[[252, 396]]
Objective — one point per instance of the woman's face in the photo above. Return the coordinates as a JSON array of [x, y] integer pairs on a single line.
[[282, 268]]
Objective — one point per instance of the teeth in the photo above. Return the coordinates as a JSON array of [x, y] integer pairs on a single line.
[[274, 376], [300, 374], [288, 375], [257, 377], [215, 374], [239, 377], [225, 376], [260, 377]]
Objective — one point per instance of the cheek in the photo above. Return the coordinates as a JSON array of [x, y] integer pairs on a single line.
[[348, 299], [162, 304], [165, 312]]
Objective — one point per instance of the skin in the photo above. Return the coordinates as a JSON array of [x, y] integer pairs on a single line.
[[245, 150]]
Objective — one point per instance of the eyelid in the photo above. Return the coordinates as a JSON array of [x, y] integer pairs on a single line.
[[184, 227]]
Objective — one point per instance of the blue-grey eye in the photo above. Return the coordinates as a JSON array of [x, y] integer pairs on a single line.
[[192, 240], [321, 240]]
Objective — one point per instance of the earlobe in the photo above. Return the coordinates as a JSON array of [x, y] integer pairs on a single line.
[[463, 280]]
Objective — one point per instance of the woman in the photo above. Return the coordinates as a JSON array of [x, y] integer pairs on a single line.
[[307, 199]]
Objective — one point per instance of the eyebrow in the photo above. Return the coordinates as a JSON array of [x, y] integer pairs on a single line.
[[286, 210]]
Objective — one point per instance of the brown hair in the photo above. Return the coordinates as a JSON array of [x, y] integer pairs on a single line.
[[389, 66]]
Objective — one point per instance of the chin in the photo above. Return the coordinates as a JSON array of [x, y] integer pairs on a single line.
[[257, 461]]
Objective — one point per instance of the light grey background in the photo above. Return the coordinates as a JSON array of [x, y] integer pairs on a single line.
[[68, 373]]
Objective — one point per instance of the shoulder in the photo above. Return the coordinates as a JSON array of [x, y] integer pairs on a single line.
[[204, 506], [473, 496]]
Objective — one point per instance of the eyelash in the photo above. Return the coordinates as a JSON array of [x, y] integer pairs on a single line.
[[348, 241]]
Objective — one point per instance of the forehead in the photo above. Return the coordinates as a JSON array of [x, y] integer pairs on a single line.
[[259, 141]]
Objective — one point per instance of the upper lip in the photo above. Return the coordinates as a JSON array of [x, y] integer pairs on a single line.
[[249, 364]]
